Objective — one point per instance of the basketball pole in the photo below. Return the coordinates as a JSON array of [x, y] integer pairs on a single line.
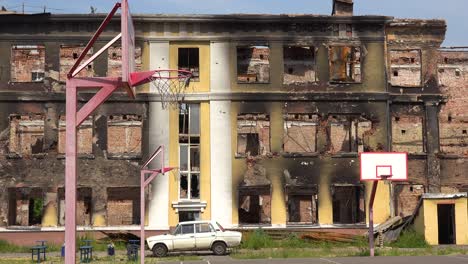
[[371, 217]]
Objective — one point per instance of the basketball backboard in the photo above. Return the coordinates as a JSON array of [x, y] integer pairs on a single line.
[[378, 165], [128, 47]]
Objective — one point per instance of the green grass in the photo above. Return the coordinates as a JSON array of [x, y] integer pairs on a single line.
[[99, 260], [410, 239]]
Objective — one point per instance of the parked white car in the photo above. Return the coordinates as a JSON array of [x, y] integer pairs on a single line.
[[195, 236]]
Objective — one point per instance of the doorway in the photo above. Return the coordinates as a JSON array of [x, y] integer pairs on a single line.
[[446, 223]]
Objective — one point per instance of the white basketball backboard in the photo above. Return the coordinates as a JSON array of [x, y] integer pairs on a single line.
[[378, 165]]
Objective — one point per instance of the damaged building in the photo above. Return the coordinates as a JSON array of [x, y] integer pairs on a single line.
[[269, 132]]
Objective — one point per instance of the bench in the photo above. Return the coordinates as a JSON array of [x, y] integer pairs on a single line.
[[86, 254], [37, 251]]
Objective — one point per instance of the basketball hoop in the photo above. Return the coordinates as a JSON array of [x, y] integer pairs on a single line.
[[171, 85], [385, 178]]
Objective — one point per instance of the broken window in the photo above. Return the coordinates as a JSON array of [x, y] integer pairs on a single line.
[[68, 56], [189, 216], [84, 136], [124, 135], [301, 133], [189, 151], [123, 206], [26, 134], [349, 133], [26, 206], [253, 134], [114, 61], [348, 204], [299, 65], [83, 206], [254, 204], [407, 197], [345, 63], [302, 204], [405, 67], [27, 63], [188, 60], [407, 134], [253, 64]]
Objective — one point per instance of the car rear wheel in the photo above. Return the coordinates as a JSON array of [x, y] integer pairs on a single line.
[[159, 250], [219, 248]]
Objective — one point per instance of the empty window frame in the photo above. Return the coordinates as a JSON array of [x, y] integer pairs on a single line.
[[405, 68], [26, 134], [189, 151], [348, 204], [407, 134], [123, 206], [253, 134], [348, 133], [253, 64], [84, 138], [124, 135], [189, 60], [27, 63], [299, 65], [345, 64], [300, 133], [302, 202], [185, 216], [25, 206], [254, 205], [68, 56], [114, 61], [83, 206]]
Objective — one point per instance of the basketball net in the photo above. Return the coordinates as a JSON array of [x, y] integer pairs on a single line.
[[171, 86]]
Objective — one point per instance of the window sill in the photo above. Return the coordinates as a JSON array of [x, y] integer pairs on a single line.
[[189, 205], [19, 156], [124, 156], [345, 155], [299, 154], [417, 155], [253, 82], [80, 156], [451, 156], [343, 82], [244, 156]]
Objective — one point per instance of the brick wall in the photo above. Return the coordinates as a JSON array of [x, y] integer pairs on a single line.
[[124, 134], [299, 65], [26, 134], [405, 68], [253, 124], [123, 206], [68, 57], [27, 63], [348, 134], [407, 198], [407, 134], [114, 61], [301, 133], [253, 61], [84, 137]]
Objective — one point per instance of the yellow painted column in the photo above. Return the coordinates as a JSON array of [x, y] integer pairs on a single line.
[[325, 206], [205, 167], [278, 204], [430, 222], [381, 202], [50, 216], [461, 221]]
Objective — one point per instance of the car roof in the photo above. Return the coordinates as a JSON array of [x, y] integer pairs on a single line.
[[196, 222]]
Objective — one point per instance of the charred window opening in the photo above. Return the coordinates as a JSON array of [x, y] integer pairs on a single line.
[[114, 61], [123, 206], [302, 202], [348, 204], [254, 204], [124, 135], [26, 206], [189, 216], [407, 134], [299, 65], [84, 136], [406, 68], [253, 64], [349, 133], [189, 151], [68, 56], [345, 64], [27, 63], [189, 60], [26, 135], [301, 133], [83, 206], [253, 134], [407, 198]]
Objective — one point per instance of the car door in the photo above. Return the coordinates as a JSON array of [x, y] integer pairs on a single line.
[[205, 235], [184, 237]]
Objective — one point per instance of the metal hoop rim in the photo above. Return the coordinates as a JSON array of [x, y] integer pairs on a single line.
[[182, 74]]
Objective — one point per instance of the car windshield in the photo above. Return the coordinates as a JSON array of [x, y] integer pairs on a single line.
[[220, 226], [177, 230]]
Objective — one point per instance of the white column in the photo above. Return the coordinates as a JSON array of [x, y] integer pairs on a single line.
[[220, 136], [158, 119]]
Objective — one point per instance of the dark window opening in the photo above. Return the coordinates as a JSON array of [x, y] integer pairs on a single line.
[[75, 56], [302, 208], [189, 216], [450, 118], [403, 131], [446, 223], [254, 209], [253, 64], [457, 73], [348, 205], [36, 206], [446, 60], [253, 134], [395, 73], [189, 60], [464, 131], [26, 206], [299, 65]]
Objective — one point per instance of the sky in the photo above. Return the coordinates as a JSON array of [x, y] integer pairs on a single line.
[[453, 11]]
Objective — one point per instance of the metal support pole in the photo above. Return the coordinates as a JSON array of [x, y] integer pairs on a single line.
[[142, 216], [70, 174], [371, 218]]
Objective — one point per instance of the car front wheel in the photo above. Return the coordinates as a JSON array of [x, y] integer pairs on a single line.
[[159, 250], [219, 248]]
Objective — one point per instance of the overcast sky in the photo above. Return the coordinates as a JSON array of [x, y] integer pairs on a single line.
[[452, 10]]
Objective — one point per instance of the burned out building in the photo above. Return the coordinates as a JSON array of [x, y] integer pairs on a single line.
[[268, 134]]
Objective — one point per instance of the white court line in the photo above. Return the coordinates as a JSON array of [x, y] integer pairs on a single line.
[[207, 261], [331, 261], [458, 257]]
